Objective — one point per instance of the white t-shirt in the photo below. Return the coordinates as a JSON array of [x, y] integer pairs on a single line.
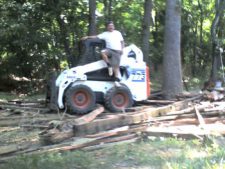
[[113, 39]]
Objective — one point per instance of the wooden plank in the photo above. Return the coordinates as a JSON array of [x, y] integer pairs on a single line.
[[175, 132], [90, 116], [91, 143], [196, 122], [157, 102], [200, 118]]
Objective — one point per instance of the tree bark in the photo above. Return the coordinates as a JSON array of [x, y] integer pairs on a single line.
[[146, 29], [92, 18], [219, 5], [201, 19], [172, 78]]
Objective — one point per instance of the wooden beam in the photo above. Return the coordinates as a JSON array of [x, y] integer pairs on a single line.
[[128, 118]]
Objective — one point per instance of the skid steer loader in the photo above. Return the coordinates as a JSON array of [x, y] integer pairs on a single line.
[[79, 88]]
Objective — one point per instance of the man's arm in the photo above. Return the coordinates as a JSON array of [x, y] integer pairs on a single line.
[[90, 37], [122, 46]]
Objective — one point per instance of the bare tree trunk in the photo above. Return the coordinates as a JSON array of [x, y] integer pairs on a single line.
[[92, 18], [194, 59], [172, 78], [201, 19], [219, 4], [146, 29]]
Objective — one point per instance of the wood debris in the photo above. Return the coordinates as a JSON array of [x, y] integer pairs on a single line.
[[64, 130], [192, 115]]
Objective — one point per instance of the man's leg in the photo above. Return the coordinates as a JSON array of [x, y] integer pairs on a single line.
[[116, 73], [105, 58]]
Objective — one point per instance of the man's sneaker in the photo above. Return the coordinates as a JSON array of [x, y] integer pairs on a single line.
[[110, 71], [117, 84]]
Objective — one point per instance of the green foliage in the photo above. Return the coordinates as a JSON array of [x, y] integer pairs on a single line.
[[32, 36], [38, 36]]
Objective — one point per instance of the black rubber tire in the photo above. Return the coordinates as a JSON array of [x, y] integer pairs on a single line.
[[118, 98], [80, 99]]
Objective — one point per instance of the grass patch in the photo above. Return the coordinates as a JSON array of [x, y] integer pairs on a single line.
[[160, 153]]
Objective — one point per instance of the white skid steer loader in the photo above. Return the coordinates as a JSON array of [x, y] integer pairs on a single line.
[[79, 88]]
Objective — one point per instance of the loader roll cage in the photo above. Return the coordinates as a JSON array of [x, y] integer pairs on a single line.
[[90, 50]]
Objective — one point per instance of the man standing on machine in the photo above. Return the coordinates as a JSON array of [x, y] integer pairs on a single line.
[[114, 49]]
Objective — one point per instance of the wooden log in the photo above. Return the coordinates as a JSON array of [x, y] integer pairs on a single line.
[[7, 149], [65, 129]]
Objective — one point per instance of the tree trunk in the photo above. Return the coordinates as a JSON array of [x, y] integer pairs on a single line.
[[201, 20], [172, 78], [219, 4], [92, 18], [146, 29], [194, 59]]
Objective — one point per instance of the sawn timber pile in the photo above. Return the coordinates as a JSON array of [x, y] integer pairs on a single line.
[[29, 127]]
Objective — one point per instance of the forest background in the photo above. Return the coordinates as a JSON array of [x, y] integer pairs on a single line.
[[38, 36]]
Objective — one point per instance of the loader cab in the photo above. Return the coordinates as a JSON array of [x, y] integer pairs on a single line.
[[90, 50]]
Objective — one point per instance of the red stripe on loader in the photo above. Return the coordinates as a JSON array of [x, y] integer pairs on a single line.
[[148, 82]]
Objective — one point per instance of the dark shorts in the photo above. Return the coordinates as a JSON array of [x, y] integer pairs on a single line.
[[113, 56]]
